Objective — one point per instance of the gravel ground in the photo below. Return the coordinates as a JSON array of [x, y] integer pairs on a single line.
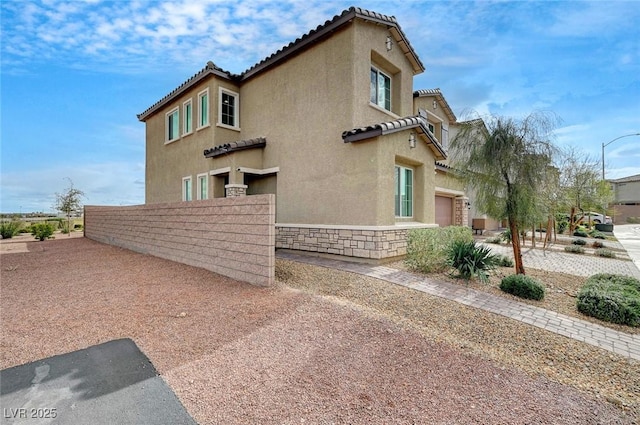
[[322, 346]]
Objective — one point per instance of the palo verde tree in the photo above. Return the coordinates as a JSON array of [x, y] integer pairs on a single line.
[[506, 161], [68, 202]]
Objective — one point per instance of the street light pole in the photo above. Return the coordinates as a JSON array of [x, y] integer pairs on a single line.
[[604, 145]]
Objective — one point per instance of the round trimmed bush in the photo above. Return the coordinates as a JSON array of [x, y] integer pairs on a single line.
[[574, 248], [612, 298], [522, 286], [579, 242], [580, 232], [597, 244]]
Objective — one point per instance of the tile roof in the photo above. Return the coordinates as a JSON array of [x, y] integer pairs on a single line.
[[441, 100], [259, 142], [389, 127], [299, 45], [209, 69]]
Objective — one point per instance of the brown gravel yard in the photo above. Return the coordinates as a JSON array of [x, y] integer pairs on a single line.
[[322, 346]]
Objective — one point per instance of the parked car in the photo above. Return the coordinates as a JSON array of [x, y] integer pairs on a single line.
[[593, 217]]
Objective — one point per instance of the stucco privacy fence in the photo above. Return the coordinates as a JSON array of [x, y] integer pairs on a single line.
[[234, 237]]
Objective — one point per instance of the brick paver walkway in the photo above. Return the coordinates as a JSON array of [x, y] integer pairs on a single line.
[[618, 342]]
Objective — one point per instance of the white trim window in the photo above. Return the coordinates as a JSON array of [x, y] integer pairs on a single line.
[[380, 89], [187, 115], [229, 108], [203, 186], [203, 109], [403, 179], [172, 121], [186, 189]]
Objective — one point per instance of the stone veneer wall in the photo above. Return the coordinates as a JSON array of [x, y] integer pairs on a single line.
[[358, 241], [234, 237], [462, 211]]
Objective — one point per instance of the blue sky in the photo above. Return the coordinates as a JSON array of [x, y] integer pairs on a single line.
[[75, 74]]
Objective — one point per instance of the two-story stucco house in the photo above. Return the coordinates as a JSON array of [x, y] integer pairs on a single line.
[[331, 124]]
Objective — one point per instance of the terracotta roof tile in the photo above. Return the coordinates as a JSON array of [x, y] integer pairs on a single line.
[[389, 127], [296, 46], [226, 148], [440, 97]]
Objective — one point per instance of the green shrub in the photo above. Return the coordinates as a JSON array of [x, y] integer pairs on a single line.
[[9, 229], [580, 232], [604, 252], [612, 298], [506, 236], [597, 244], [42, 231], [579, 242], [633, 220], [471, 260], [599, 235], [504, 261], [562, 225], [574, 249], [427, 248], [522, 286], [497, 239]]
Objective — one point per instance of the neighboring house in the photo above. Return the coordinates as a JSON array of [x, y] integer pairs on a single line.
[[626, 201], [331, 124]]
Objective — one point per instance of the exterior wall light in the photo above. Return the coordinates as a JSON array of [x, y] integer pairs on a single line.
[[388, 43], [412, 141]]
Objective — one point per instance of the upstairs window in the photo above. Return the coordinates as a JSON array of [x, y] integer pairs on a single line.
[[404, 191], [203, 111], [228, 110], [187, 113], [380, 89], [173, 125]]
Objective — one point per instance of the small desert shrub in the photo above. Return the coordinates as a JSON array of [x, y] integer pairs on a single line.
[[579, 242], [497, 239], [471, 260], [522, 286], [612, 298], [633, 220], [574, 249], [42, 231], [581, 233], [604, 252], [597, 244], [427, 248], [562, 225], [9, 229], [504, 261], [599, 236]]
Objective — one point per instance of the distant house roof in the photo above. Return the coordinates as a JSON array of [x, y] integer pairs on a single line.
[[633, 178], [297, 46], [441, 100], [389, 127], [259, 142]]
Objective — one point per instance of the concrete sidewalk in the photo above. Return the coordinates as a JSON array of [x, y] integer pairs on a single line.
[[621, 343], [629, 237]]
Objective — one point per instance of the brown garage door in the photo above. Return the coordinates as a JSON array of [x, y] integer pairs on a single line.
[[444, 211]]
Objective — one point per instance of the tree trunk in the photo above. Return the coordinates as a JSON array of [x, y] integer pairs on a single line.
[[515, 243]]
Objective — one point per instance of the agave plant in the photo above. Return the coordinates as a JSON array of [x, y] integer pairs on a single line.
[[471, 260]]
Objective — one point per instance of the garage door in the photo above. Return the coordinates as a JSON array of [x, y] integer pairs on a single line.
[[444, 211]]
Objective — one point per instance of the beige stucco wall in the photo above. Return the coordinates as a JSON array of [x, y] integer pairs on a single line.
[[627, 192], [168, 163], [301, 107]]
